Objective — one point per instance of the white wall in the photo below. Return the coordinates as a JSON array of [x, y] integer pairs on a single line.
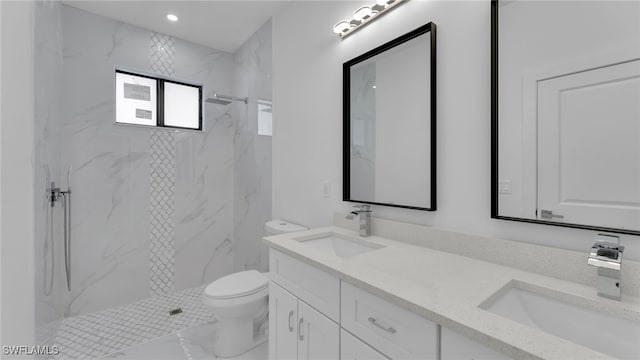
[[17, 176], [307, 142]]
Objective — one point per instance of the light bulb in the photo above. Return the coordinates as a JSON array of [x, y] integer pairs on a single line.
[[362, 13], [172, 17], [341, 27]]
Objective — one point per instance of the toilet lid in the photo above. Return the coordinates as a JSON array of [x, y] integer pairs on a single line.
[[237, 285]]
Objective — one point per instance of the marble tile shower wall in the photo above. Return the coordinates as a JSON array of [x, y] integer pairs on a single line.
[[113, 169], [252, 153], [50, 292]]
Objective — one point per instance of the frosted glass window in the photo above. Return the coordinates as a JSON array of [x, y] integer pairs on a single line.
[[182, 106], [265, 117], [143, 99], [136, 99]]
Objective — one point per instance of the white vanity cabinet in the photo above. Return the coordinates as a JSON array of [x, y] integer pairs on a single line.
[[314, 315], [454, 346]]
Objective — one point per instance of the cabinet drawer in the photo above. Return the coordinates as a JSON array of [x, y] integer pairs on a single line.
[[396, 332], [313, 286]]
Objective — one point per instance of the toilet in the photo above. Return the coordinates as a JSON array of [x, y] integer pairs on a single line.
[[240, 301]]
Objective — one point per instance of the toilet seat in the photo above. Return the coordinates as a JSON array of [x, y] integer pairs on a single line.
[[237, 285]]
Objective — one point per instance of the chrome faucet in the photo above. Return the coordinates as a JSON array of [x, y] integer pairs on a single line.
[[606, 255], [364, 212]]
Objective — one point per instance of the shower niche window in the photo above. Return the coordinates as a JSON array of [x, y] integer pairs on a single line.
[[265, 117], [146, 100]]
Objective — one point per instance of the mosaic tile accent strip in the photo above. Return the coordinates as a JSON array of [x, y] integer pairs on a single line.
[[162, 201], [162, 193], [112, 330], [163, 51]]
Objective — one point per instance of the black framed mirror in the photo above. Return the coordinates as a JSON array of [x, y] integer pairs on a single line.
[[566, 113], [389, 123]]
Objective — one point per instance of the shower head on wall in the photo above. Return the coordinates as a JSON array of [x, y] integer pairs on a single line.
[[224, 99]]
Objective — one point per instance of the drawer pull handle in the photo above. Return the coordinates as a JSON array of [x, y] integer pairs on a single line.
[[290, 317], [300, 335], [387, 329]]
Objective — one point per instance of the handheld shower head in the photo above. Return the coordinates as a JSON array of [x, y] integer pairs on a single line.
[[69, 169]]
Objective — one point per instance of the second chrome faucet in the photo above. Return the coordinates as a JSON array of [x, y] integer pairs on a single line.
[[606, 255], [364, 213]]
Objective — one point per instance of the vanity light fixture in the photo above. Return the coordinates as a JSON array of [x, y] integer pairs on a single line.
[[172, 17], [341, 26], [363, 15]]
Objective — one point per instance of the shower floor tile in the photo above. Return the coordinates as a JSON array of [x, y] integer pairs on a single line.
[[105, 332], [193, 343]]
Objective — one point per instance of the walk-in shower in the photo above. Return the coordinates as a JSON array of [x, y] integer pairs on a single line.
[[156, 214]]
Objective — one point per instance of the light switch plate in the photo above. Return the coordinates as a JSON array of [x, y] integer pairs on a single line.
[[326, 189]]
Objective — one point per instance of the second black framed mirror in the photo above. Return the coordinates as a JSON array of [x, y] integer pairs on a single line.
[[566, 114]]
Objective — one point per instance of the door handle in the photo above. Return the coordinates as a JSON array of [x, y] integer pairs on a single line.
[[290, 318], [387, 329], [300, 335], [548, 214]]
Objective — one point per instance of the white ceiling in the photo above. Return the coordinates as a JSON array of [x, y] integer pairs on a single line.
[[223, 25]]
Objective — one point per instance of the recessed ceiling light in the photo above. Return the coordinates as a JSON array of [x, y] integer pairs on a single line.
[[172, 17]]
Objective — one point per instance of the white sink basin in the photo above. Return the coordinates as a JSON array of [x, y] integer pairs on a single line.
[[611, 335], [338, 244]]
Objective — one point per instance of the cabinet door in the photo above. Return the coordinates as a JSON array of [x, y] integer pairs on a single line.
[[454, 346], [351, 348], [283, 325], [318, 336]]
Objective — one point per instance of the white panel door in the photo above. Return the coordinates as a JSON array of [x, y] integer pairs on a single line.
[[283, 323], [318, 336], [351, 348], [589, 146]]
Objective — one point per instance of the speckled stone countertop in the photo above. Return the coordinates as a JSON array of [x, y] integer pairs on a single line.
[[448, 289]]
